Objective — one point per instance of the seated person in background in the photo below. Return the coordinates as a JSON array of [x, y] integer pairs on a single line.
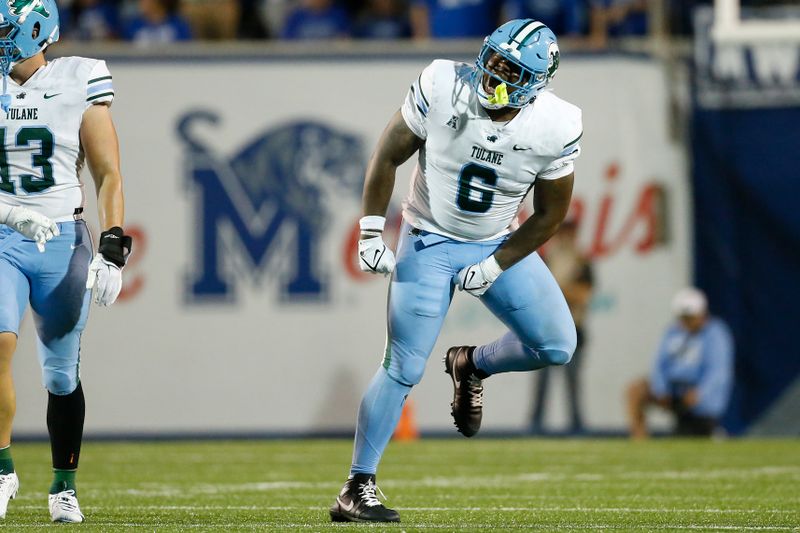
[[317, 19], [453, 19], [693, 372], [158, 22], [382, 19]]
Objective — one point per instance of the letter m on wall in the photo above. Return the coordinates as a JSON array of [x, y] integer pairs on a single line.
[[240, 238]]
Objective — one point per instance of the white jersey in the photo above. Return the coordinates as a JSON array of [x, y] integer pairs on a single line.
[[41, 155], [472, 173]]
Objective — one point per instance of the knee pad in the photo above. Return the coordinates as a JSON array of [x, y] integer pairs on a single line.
[[407, 369], [556, 357], [61, 381]]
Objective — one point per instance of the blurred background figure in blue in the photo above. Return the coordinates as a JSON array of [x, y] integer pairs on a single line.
[[157, 22], [382, 19], [615, 19], [573, 272], [567, 18], [693, 372], [454, 19], [317, 19], [90, 20]]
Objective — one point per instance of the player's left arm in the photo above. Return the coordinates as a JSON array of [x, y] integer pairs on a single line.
[[551, 199], [550, 203], [101, 146]]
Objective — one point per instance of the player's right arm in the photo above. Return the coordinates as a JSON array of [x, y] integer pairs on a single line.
[[29, 223], [396, 145]]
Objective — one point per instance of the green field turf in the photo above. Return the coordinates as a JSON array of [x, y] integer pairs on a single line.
[[518, 484]]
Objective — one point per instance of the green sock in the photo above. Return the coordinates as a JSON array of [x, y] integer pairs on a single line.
[[63, 480], [6, 462]]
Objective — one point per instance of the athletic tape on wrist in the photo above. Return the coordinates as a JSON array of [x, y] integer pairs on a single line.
[[372, 223], [492, 267]]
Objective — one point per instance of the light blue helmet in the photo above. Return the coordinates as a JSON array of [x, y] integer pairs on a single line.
[[26, 28], [529, 46]]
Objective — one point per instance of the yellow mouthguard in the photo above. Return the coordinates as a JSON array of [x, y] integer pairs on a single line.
[[500, 96]]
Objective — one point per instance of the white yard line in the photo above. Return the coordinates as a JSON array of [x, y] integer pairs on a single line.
[[422, 509]]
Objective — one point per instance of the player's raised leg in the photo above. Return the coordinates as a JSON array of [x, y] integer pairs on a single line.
[[60, 303], [420, 293], [541, 333]]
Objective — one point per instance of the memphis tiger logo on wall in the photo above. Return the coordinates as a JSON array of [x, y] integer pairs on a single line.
[[17, 7], [275, 198]]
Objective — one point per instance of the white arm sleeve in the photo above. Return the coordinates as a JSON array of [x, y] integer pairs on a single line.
[[418, 102]]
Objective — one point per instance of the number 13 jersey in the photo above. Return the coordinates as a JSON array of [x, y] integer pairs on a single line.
[[41, 155], [472, 173]]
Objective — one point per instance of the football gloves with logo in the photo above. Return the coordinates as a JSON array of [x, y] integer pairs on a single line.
[[476, 279], [29, 223], [105, 270], [373, 254]]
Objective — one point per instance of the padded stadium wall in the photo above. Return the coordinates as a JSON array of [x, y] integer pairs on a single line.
[[745, 136], [243, 311]]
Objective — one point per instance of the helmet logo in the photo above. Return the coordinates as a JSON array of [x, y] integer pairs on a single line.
[[553, 58], [22, 7]]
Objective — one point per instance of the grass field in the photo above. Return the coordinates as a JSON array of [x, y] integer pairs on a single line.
[[518, 484]]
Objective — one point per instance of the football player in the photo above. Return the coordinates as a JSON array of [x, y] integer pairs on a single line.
[[485, 135], [55, 116]]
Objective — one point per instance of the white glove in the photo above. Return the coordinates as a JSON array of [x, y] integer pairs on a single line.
[[476, 279], [29, 223], [373, 254], [106, 279]]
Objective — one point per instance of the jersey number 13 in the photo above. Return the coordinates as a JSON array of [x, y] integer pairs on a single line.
[[41, 159]]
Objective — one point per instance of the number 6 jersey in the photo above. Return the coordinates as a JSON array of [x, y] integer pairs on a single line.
[[41, 155], [472, 173]]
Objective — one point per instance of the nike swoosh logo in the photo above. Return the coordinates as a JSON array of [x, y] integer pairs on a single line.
[[520, 148], [49, 96], [73, 246], [471, 275], [344, 507]]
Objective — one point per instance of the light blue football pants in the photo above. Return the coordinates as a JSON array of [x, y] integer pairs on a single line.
[[526, 298], [54, 282]]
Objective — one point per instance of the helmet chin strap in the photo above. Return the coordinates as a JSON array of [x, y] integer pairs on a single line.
[[5, 70]]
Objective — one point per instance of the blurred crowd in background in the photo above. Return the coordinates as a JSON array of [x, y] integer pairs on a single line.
[[149, 22]]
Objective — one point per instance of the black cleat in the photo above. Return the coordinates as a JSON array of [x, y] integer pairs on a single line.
[[357, 502], [467, 404]]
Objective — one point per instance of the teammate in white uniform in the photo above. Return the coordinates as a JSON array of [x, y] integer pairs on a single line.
[[55, 114], [485, 135]]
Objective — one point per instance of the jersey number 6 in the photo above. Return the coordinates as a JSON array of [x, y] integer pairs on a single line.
[[29, 182], [467, 188]]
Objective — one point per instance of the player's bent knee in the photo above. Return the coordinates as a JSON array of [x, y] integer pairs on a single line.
[[60, 383], [557, 357], [408, 371]]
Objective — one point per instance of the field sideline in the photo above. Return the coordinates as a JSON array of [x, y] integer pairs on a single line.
[[440, 485]]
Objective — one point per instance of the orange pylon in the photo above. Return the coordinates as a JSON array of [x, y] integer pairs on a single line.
[[407, 426]]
